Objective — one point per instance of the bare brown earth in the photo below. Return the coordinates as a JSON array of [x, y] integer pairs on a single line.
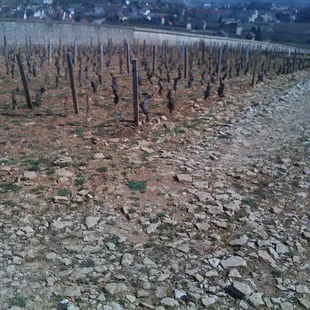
[[118, 217]]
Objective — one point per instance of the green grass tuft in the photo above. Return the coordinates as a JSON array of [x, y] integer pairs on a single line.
[[137, 186]]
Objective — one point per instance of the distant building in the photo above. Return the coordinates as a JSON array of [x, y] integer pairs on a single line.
[[46, 2]]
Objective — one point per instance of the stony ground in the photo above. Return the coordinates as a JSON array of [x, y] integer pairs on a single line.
[[212, 214]]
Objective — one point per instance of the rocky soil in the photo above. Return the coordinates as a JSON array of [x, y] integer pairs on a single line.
[[212, 214]]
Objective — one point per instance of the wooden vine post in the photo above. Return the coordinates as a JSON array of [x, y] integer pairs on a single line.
[[72, 83], [24, 80], [59, 47], [154, 58], [101, 55], [135, 85], [247, 56], [75, 51], [30, 45], [49, 52], [220, 62], [294, 60], [254, 69], [5, 48], [128, 57], [203, 53], [46, 45], [27, 47], [185, 61]]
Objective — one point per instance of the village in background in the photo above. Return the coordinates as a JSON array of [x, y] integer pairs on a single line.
[[256, 20]]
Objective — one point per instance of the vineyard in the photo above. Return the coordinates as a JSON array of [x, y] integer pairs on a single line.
[[123, 175], [103, 87]]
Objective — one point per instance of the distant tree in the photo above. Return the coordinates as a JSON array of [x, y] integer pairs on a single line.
[[258, 34], [303, 15]]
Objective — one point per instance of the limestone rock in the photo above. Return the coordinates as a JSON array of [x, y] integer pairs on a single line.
[[29, 175], [170, 302], [116, 288], [302, 289], [256, 300], [151, 228], [239, 289], [127, 259], [265, 256], [98, 156], [91, 221], [63, 172], [184, 178], [60, 199], [233, 261], [208, 301], [286, 306], [241, 241], [72, 291]]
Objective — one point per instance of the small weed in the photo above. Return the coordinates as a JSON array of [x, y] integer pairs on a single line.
[[276, 272], [179, 131], [8, 203], [87, 263], [135, 204], [80, 164], [194, 251], [32, 165], [237, 185], [19, 301], [137, 186], [258, 192], [149, 245], [10, 187], [262, 183], [80, 179], [49, 111], [64, 192], [102, 169], [295, 184], [164, 226], [5, 106], [161, 214], [38, 189], [50, 171], [226, 136], [132, 210], [17, 122], [192, 123], [103, 125], [250, 202], [79, 132], [108, 107]]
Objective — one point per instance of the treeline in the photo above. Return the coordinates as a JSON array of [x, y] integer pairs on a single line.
[[303, 15]]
